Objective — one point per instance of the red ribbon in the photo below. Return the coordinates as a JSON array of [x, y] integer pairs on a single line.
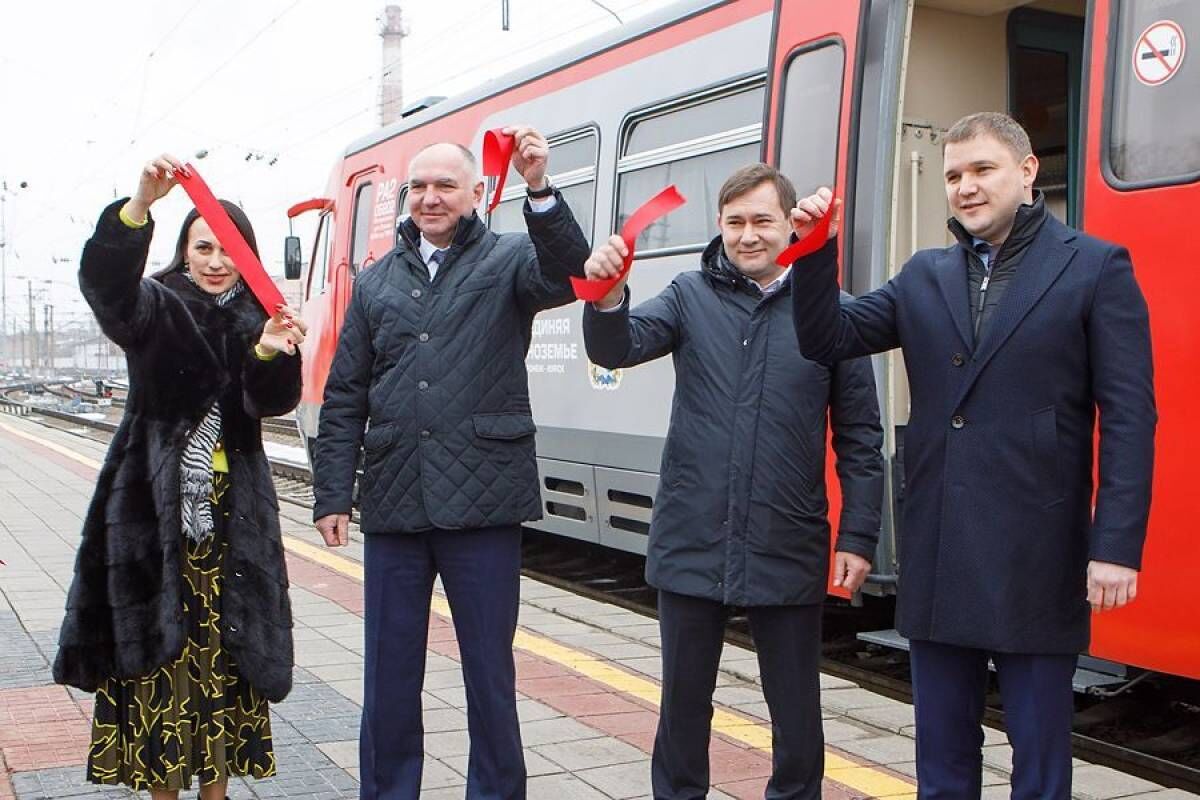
[[231, 239], [809, 244], [497, 155], [660, 205]]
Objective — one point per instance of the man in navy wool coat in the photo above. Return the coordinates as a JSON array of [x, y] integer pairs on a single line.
[[1014, 339]]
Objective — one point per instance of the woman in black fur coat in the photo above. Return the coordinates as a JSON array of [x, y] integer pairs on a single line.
[[178, 616]]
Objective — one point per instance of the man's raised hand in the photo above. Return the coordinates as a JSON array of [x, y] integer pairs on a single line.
[[809, 211], [605, 264], [531, 155]]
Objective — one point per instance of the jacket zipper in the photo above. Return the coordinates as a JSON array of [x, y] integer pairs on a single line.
[[983, 288]]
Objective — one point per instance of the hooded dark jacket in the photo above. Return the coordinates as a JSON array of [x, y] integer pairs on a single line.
[[741, 514], [124, 614]]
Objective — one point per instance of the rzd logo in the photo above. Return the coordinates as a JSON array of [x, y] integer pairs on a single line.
[[605, 380]]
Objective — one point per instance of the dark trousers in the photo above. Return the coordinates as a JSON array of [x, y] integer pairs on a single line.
[[949, 684], [480, 572], [788, 640]]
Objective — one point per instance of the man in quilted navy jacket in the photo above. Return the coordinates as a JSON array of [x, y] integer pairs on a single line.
[[429, 380]]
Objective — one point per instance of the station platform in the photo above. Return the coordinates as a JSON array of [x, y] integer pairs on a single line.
[[587, 676]]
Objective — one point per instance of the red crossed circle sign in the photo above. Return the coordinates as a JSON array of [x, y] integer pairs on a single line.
[[1159, 52]]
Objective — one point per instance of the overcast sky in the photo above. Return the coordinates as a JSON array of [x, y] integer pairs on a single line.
[[91, 90]]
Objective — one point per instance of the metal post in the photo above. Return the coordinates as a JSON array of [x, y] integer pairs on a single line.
[[3, 265], [48, 339], [33, 334]]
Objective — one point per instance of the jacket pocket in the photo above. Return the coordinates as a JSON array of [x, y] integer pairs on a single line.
[[1046, 456], [503, 427], [379, 437]]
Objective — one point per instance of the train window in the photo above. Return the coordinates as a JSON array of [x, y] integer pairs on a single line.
[[694, 144], [698, 179], [1045, 68], [320, 257], [573, 171], [1154, 124], [698, 120], [812, 102], [568, 152], [364, 203]]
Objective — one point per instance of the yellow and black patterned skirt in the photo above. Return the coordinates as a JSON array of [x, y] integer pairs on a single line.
[[196, 716]]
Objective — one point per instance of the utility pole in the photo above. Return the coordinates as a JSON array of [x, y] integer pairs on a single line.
[[33, 334], [3, 263], [48, 328], [391, 80], [4, 192]]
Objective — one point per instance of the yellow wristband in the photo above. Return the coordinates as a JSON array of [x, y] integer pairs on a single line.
[[264, 355], [130, 222]]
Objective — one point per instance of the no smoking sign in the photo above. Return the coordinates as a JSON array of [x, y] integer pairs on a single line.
[[1158, 53]]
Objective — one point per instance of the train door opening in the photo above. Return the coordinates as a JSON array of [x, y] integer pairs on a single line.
[[965, 56]]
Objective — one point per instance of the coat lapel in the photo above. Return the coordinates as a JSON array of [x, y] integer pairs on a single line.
[[951, 277], [1040, 267]]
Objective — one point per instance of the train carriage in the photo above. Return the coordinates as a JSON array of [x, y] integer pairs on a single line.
[[855, 93]]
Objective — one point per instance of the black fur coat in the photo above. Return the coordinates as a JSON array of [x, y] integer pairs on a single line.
[[124, 610]]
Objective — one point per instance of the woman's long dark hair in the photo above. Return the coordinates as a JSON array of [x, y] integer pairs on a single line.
[[240, 221]]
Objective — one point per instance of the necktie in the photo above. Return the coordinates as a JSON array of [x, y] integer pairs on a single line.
[[435, 262]]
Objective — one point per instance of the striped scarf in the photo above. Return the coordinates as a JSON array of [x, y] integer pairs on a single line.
[[196, 467]]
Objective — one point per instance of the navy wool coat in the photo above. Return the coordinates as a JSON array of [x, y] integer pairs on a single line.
[[741, 515], [998, 524]]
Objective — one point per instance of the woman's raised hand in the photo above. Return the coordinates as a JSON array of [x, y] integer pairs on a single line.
[[156, 179]]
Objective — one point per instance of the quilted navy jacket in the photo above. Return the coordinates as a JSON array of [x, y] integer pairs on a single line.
[[429, 379]]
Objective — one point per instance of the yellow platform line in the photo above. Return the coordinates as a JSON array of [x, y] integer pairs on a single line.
[[868, 780]]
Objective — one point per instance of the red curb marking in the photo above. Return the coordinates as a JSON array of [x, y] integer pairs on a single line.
[[42, 727], [6, 788], [590, 705]]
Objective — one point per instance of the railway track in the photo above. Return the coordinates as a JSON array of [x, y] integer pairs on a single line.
[[1151, 730], [277, 427]]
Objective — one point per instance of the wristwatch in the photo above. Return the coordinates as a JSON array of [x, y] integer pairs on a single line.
[[541, 194]]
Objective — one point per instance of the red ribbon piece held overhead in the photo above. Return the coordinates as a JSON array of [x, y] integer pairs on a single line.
[[231, 239], [660, 205], [497, 155], [809, 244]]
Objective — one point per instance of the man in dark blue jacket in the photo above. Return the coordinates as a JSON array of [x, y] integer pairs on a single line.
[[1013, 339], [741, 516], [429, 380]]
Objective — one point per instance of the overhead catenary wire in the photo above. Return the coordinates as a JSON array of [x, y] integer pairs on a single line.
[[185, 97], [150, 55], [191, 92]]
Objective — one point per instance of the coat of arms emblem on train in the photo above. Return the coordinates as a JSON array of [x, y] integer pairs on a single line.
[[605, 380]]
